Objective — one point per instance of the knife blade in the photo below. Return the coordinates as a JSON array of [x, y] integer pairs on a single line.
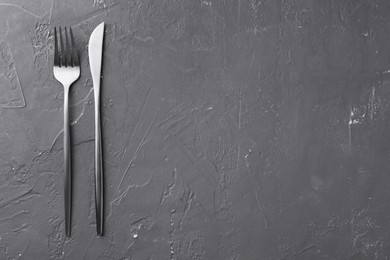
[[95, 51]]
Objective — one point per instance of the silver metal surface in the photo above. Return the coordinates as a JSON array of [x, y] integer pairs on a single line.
[[66, 70], [95, 49]]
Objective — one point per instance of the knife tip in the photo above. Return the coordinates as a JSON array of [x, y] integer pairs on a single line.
[[98, 32], [100, 25]]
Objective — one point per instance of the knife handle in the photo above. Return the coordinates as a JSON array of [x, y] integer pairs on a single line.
[[98, 169]]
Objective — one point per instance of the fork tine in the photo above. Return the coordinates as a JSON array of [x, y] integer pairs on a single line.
[[56, 54], [75, 57], [62, 52], [68, 49]]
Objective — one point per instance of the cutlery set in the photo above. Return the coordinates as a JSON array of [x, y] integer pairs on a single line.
[[66, 70]]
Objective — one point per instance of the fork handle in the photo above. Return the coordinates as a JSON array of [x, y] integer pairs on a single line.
[[67, 165], [98, 168]]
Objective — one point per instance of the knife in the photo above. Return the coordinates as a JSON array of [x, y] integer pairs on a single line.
[[95, 50]]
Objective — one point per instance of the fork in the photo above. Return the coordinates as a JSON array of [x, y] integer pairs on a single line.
[[66, 70]]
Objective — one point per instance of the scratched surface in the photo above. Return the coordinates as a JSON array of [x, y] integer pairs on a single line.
[[233, 129]]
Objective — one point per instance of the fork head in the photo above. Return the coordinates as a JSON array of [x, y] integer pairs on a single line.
[[66, 61]]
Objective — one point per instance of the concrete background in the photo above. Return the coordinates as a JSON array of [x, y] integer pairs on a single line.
[[233, 129]]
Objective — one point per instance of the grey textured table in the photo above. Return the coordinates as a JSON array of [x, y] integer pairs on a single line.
[[233, 129]]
